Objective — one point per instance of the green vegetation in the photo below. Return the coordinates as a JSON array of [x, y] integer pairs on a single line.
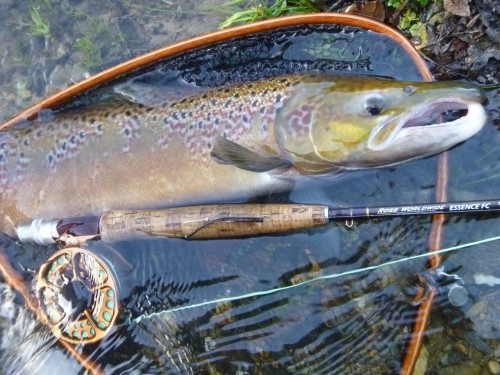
[[396, 4], [94, 36], [18, 53], [412, 23], [91, 35], [412, 19], [23, 92], [33, 20], [39, 26], [259, 10], [91, 54]]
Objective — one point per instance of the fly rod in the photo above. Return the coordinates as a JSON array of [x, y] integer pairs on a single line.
[[224, 220]]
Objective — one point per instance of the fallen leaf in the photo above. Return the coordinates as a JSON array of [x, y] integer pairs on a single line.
[[436, 19], [457, 7], [372, 8]]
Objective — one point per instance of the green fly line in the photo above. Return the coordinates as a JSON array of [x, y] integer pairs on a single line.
[[322, 277]]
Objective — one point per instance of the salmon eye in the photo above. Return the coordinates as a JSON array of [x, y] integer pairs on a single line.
[[373, 110], [374, 105]]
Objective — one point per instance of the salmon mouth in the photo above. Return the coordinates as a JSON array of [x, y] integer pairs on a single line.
[[439, 113], [443, 121]]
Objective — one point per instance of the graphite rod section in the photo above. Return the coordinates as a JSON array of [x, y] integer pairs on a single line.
[[413, 210]]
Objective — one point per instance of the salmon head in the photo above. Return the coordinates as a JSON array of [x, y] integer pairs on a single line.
[[353, 122]]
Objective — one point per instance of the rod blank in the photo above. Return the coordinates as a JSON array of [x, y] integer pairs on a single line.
[[413, 210]]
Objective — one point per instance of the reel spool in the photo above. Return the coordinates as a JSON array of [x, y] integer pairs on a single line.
[[77, 295]]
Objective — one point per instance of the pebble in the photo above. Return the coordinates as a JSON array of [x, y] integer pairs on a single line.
[[461, 348], [421, 365], [465, 368], [477, 343], [78, 73], [476, 309], [60, 76], [494, 367], [63, 50], [453, 357]]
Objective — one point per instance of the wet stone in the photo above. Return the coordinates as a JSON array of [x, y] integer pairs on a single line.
[[465, 368], [422, 361], [453, 357], [476, 309], [494, 367], [477, 343], [209, 344], [460, 348], [60, 76]]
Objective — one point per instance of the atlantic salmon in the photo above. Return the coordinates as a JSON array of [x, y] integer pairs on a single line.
[[231, 142]]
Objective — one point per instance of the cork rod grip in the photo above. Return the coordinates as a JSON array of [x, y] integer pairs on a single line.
[[212, 221]]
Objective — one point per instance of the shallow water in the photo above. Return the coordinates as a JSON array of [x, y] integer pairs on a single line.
[[192, 307]]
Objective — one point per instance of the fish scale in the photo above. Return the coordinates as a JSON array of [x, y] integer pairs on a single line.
[[222, 144], [230, 112]]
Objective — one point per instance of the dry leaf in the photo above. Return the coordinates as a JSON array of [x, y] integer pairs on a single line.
[[457, 7], [372, 8]]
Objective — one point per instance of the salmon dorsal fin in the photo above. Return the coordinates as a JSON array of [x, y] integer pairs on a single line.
[[229, 152], [155, 88]]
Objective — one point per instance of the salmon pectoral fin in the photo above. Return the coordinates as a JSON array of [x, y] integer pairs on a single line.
[[229, 152]]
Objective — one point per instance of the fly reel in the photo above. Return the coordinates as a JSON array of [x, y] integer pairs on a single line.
[[77, 295]]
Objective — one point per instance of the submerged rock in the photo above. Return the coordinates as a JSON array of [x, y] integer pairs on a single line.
[[465, 368]]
